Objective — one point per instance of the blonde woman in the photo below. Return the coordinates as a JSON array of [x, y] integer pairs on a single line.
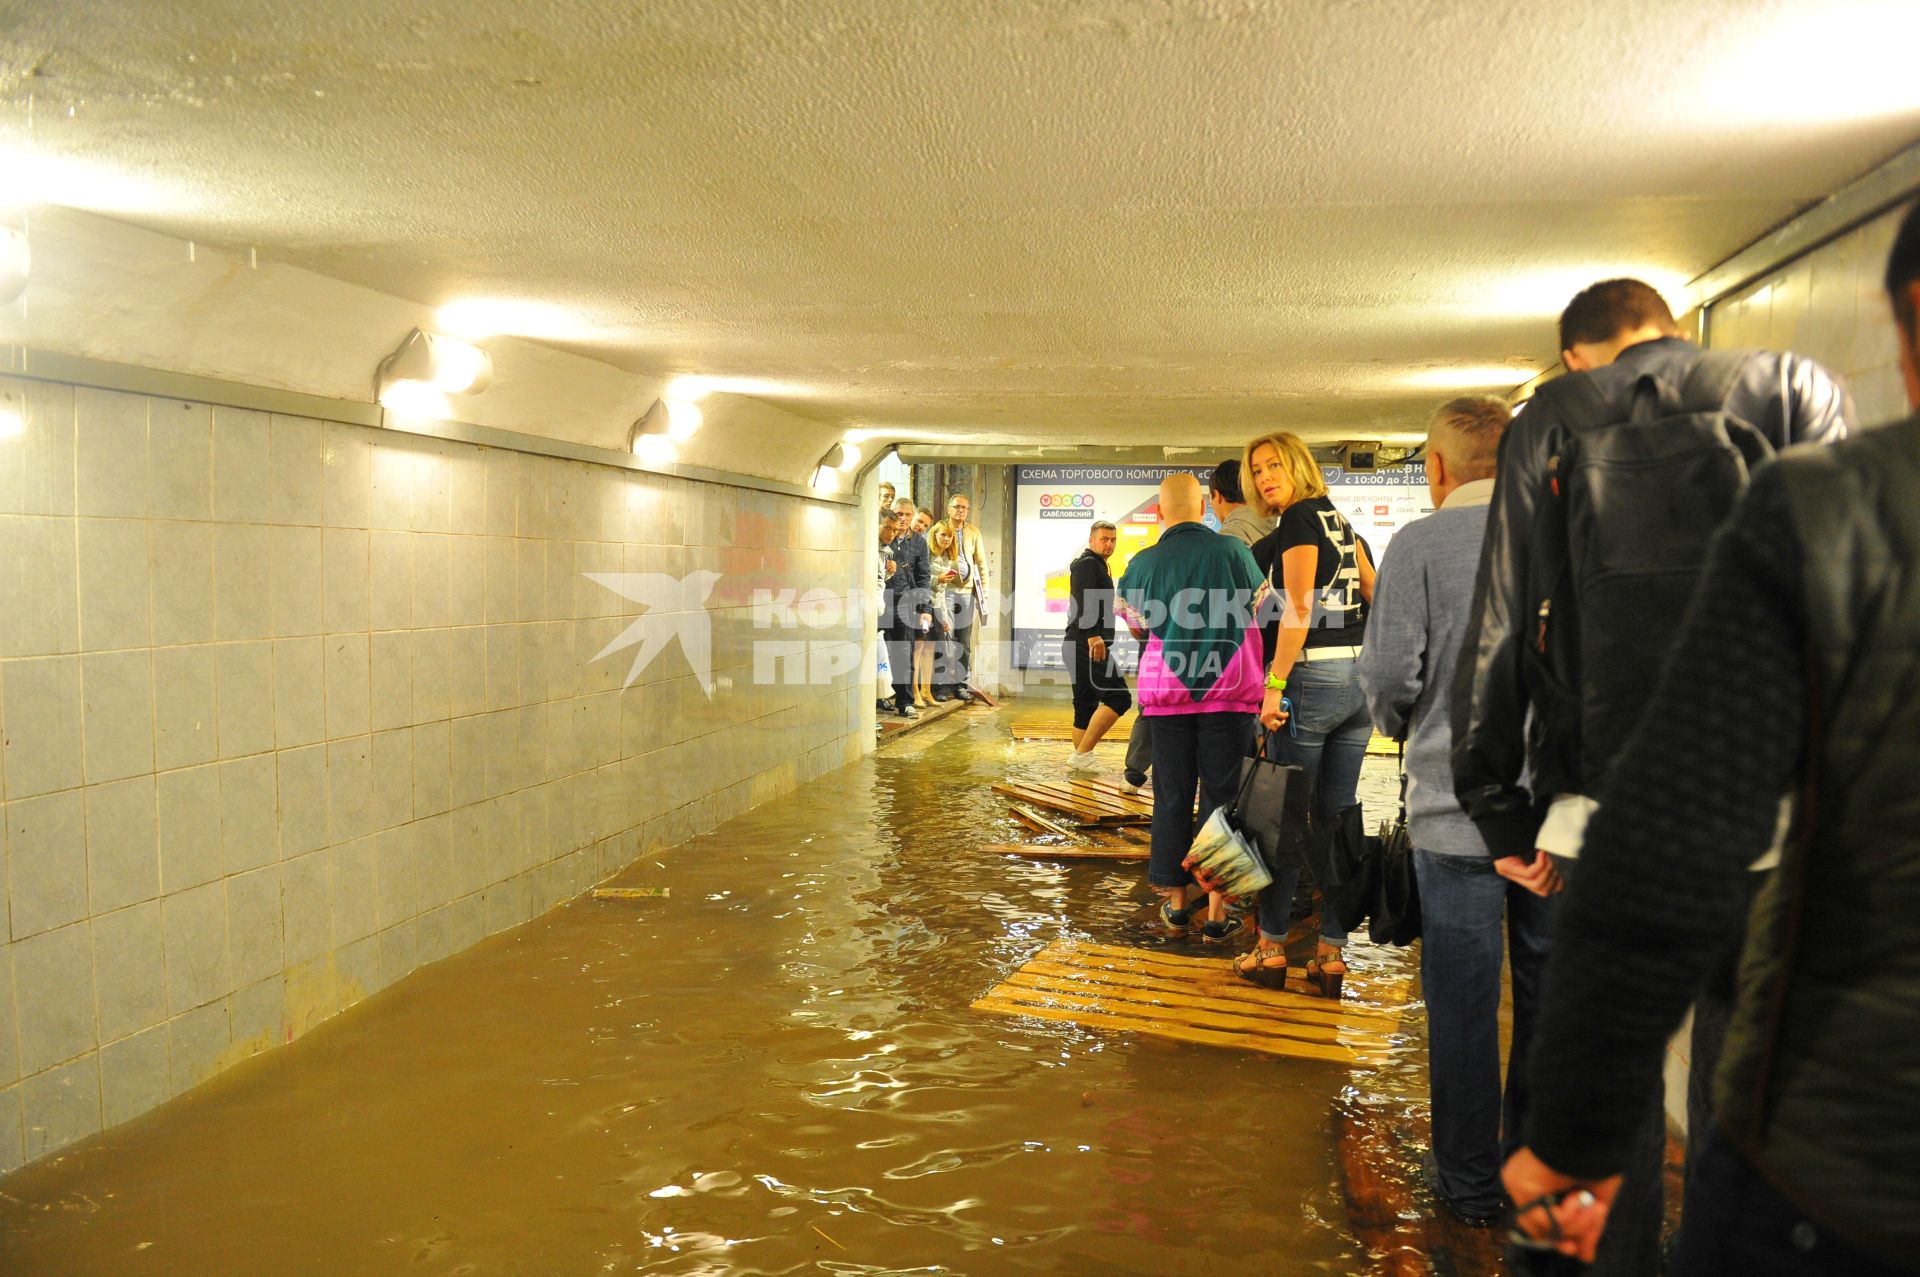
[[1321, 574], [934, 652]]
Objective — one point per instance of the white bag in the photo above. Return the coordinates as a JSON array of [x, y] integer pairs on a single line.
[[1223, 860], [885, 671]]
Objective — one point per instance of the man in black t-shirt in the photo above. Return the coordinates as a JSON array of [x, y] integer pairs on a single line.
[[1100, 693]]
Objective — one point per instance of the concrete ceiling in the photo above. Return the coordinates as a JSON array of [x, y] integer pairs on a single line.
[[1119, 221]]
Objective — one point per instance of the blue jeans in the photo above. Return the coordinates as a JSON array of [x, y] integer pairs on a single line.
[[1327, 740], [1189, 751], [1461, 903]]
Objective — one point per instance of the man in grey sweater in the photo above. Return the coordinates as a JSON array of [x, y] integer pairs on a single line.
[[1420, 609]]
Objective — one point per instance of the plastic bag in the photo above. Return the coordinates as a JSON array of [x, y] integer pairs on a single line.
[[1223, 860]]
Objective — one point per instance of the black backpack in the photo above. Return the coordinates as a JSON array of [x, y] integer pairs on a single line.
[[1632, 496]]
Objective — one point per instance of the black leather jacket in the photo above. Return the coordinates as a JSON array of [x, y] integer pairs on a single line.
[[1788, 398], [909, 594]]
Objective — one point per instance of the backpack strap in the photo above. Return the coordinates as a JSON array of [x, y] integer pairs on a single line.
[[1710, 381]]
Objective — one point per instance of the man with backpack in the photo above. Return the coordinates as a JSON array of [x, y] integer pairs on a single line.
[[1611, 482]]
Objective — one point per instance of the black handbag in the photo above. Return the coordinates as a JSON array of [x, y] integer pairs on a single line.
[[1270, 806], [1393, 908]]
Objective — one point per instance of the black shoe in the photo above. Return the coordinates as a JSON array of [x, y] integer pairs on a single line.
[[1136, 779], [906, 711], [964, 695], [943, 696], [1472, 1215]]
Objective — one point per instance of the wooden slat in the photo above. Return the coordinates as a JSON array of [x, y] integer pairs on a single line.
[[1306, 1007], [1094, 793], [1034, 820], [1084, 806], [1190, 1017], [1207, 1037], [1062, 729], [1190, 999], [1186, 1008], [1066, 851], [1364, 993]]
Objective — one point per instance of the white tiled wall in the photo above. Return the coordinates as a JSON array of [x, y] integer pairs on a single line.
[[293, 707], [1830, 306]]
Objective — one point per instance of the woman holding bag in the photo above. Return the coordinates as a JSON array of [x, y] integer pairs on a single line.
[[1321, 575]]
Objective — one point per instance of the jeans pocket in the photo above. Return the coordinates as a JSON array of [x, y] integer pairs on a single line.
[[1322, 698]]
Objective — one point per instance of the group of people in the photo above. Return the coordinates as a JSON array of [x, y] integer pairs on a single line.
[[1659, 693], [932, 594]]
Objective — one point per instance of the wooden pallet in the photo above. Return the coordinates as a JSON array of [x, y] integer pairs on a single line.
[[1068, 850], [1062, 729], [1198, 1000], [1093, 802]]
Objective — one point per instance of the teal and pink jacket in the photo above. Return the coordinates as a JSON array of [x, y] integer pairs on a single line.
[[1196, 592]]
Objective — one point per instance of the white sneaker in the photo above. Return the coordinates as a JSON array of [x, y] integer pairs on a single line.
[[1083, 762]]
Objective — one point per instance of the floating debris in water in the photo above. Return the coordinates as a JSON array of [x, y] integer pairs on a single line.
[[629, 893]]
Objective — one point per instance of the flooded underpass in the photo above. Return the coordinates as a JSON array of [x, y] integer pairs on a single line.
[[772, 1070]]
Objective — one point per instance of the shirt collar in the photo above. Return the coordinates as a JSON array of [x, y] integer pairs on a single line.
[[1475, 492]]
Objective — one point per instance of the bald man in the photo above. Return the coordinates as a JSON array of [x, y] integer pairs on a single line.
[[1189, 599]]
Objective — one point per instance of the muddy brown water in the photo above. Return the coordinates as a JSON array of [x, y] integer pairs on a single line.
[[772, 1071]]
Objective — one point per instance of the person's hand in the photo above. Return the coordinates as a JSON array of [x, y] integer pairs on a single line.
[[1551, 1207], [1539, 876], [1272, 717], [949, 575], [1097, 648]]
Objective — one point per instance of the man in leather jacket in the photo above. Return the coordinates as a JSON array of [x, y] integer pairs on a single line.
[[1794, 669], [1611, 334]]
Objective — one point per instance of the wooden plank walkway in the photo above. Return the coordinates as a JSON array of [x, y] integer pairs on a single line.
[[1061, 728], [1197, 1000], [1096, 802], [1068, 850]]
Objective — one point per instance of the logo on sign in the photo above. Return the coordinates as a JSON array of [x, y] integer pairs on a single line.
[[1382, 509], [1066, 505]]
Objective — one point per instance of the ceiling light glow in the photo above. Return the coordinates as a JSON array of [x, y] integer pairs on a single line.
[[454, 367], [476, 318], [849, 457], [37, 178], [1544, 294], [654, 450], [14, 263], [1813, 66], [415, 399], [1469, 377], [12, 425], [683, 419]]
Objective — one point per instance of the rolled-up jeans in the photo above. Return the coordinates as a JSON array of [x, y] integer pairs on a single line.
[[1326, 739], [1189, 751]]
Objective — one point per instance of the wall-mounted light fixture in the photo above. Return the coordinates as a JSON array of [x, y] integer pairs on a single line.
[[839, 459], [649, 439], [416, 378], [14, 262], [12, 424]]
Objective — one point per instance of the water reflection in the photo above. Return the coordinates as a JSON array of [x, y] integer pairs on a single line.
[[773, 1071]]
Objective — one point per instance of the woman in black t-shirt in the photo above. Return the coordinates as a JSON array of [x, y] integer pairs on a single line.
[[1321, 574]]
